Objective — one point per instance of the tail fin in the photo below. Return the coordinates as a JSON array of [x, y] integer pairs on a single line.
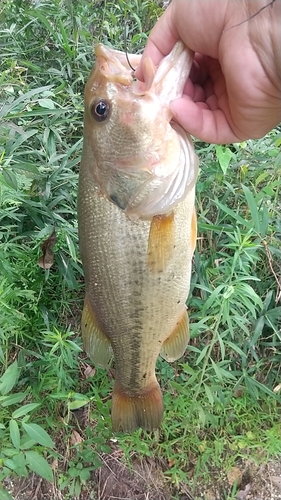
[[129, 412]]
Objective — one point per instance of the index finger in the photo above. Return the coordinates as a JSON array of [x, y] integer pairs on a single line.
[[161, 40]]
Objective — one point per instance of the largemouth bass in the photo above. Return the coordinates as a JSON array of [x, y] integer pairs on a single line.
[[137, 226]]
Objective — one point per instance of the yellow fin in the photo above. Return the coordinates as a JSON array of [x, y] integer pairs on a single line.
[[95, 342], [129, 412], [175, 345], [193, 232], [160, 242]]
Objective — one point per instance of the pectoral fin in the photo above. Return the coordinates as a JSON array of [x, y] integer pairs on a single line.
[[160, 242], [175, 345], [95, 342]]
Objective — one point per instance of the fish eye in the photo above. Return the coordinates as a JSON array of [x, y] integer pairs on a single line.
[[100, 110]]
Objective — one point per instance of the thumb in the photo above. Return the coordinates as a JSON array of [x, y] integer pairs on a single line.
[[160, 42]]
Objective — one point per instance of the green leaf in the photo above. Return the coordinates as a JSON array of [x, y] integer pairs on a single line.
[[7, 108], [26, 167], [224, 156], [236, 348], [25, 409], [209, 394], [38, 464], [213, 297], [26, 442], [12, 399], [261, 178], [9, 452], [30, 65], [64, 265], [217, 369], [253, 207], [85, 474], [71, 247], [234, 215], [258, 330], [264, 222], [46, 103], [14, 433], [36, 112], [74, 405], [202, 354], [9, 378], [10, 178], [226, 374], [22, 138], [8, 462], [38, 434], [5, 495], [20, 464]]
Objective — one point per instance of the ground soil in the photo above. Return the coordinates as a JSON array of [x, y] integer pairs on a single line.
[[145, 480]]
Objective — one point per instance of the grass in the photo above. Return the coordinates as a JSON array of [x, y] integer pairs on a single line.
[[222, 399]]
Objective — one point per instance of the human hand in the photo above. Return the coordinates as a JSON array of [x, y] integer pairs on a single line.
[[234, 89]]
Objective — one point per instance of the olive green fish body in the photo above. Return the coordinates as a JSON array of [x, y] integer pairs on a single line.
[[136, 253]]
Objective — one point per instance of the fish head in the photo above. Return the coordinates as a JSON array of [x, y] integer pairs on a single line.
[[127, 120], [129, 129]]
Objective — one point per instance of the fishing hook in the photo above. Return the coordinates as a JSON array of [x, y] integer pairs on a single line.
[[126, 50]]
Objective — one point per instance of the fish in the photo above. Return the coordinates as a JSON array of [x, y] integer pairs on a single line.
[[137, 226]]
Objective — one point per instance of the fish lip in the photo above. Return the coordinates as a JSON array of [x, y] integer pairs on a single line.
[[114, 65]]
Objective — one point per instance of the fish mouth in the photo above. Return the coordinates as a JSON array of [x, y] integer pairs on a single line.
[[165, 81], [114, 66]]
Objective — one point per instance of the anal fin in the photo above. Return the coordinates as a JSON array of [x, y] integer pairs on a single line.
[[95, 342], [160, 242], [175, 345], [131, 411]]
